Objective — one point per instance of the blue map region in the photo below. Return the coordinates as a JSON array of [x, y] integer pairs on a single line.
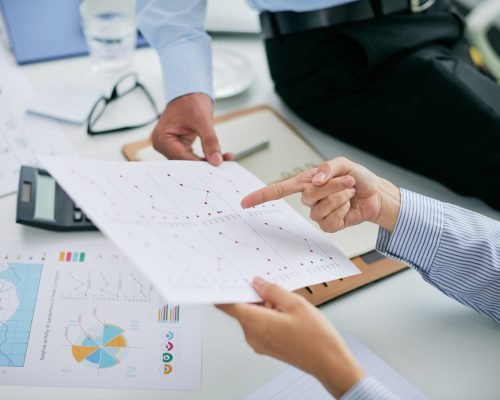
[[19, 285]]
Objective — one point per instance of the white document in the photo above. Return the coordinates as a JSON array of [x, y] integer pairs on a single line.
[[22, 135], [293, 384], [79, 315], [60, 102], [286, 156], [181, 223]]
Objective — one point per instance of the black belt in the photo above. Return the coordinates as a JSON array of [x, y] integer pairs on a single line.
[[287, 22]]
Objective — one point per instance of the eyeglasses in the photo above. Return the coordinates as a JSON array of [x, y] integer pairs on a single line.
[[122, 87]]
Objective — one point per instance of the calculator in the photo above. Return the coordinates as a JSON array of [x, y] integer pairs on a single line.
[[42, 203]]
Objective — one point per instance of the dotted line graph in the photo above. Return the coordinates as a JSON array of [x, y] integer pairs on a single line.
[[205, 195], [75, 288], [270, 259], [105, 286], [153, 203], [312, 246], [213, 229], [216, 264], [228, 180], [106, 290]]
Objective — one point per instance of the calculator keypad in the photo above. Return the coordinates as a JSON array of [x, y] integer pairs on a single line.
[[79, 216]]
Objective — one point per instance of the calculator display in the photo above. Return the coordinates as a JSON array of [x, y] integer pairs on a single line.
[[45, 197], [42, 203]]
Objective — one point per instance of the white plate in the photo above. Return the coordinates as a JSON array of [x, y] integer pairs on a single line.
[[232, 73]]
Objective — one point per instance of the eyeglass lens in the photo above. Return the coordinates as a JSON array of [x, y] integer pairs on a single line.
[[97, 110], [125, 85]]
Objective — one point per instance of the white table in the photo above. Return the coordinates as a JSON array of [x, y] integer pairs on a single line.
[[445, 349]]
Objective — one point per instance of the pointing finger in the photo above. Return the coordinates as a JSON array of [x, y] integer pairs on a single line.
[[278, 190]]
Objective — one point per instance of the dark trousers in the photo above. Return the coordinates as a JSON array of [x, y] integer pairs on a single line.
[[403, 88]]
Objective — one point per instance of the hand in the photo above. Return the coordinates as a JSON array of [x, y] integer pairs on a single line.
[[182, 120], [340, 193], [297, 333]]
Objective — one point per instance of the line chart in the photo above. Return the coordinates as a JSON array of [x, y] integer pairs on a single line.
[[312, 247], [182, 223], [75, 285]]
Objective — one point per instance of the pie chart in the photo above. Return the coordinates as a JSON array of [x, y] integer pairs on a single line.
[[102, 347]]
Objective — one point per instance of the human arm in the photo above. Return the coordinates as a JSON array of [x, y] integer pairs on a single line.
[[294, 331], [175, 29], [456, 250], [297, 333], [340, 193]]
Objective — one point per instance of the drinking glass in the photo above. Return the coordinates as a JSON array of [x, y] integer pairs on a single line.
[[110, 31]]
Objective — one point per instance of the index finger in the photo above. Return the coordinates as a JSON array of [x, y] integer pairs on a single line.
[[278, 190]]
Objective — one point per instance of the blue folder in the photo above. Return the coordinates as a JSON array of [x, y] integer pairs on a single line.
[[41, 30]]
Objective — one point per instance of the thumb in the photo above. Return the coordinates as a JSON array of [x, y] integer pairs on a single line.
[[339, 166], [210, 146], [274, 294]]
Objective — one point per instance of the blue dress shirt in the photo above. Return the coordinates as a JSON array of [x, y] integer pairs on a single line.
[[455, 250], [175, 29]]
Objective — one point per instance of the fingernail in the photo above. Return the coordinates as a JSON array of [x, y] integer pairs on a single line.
[[243, 202], [215, 158], [319, 177], [353, 191], [258, 281], [348, 181]]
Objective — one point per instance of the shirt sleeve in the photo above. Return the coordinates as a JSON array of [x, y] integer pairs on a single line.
[[174, 28], [455, 250], [369, 388]]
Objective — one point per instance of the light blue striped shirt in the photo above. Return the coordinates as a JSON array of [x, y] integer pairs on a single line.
[[175, 29], [455, 250]]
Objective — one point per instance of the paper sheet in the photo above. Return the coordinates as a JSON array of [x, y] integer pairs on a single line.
[[22, 135], [293, 384], [287, 155], [79, 315], [181, 223]]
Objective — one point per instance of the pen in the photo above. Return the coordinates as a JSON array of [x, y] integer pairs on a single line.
[[252, 150]]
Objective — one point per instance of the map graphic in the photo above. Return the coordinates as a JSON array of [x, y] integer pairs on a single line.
[[19, 285], [102, 347]]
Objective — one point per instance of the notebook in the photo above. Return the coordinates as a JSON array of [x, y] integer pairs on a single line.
[[293, 384]]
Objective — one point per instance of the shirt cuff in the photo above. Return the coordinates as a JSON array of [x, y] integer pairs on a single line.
[[418, 231], [187, 68], [368, 388]]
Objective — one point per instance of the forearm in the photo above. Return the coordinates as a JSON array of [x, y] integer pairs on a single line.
[[174, 28], [456, 250], [338, 371]]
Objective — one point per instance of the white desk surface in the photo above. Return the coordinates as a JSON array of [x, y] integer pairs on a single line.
[[444, 348]]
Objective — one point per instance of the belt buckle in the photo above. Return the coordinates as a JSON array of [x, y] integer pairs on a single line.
[[416, 6]]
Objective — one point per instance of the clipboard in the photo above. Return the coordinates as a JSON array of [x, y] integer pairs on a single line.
[[289, 153]]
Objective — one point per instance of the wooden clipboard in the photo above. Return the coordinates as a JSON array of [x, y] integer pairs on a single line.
[[371, 271], [372, 265]]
